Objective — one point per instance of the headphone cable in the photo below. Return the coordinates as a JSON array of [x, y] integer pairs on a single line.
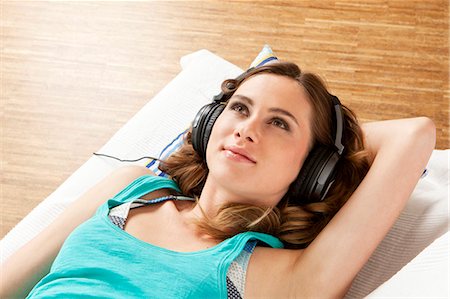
[[121, 160]]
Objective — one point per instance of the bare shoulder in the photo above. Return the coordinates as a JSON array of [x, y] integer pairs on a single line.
[[120, 177], [269, 273], [117, 180], [109, 186], [130, 172]]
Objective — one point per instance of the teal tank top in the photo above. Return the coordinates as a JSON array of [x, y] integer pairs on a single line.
[[99, 260]]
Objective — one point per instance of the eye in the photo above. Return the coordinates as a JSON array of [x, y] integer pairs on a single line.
[[239, 108], [278, 122]]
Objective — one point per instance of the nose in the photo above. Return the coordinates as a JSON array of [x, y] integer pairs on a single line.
[[248, 130]]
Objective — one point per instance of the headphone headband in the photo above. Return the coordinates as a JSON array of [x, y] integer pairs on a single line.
[[221, 98], [339, 124]]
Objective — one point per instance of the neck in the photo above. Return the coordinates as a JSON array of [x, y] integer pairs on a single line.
[[212, 198]]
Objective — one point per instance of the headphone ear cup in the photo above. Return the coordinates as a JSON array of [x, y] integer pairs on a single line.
[[317, 175], [209, 123], [305, 176], [197, 127], [202, 127]]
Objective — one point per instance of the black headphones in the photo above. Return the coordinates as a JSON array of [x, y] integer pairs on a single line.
[[319, 168]]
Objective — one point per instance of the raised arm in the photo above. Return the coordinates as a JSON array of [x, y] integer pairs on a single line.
[[400, 151], [31, 262]]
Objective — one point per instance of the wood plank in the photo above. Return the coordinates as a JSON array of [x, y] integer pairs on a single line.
[[72, 73]]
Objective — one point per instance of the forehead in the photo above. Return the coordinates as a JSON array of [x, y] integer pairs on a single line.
[[275, 91]]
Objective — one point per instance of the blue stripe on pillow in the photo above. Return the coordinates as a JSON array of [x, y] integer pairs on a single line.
[[267, 60], [165, 153], [264, 56]]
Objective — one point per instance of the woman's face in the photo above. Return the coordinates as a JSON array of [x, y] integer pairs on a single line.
[[259, 142]]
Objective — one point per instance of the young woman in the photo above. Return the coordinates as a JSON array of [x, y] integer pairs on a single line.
[[281, 163]]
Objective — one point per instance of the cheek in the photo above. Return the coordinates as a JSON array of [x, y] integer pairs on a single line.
[[221, 126], [292, 160]]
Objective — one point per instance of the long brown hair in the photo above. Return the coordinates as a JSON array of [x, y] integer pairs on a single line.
[[295, 225]]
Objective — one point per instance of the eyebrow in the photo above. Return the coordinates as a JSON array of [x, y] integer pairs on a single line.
[[274, 109]]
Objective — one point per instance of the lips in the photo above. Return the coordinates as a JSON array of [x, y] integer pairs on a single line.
[[238, 153]]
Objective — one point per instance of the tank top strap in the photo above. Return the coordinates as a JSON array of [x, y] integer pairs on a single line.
[[137, 188], [263, 239], [143, 185], [238, 242], [237, 271], [118, 215], [235, 265]]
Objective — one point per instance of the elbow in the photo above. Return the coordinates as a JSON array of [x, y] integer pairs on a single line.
[[424, 133], [422, 138]]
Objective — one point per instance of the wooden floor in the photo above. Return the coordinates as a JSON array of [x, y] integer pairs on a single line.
[[72, 73]]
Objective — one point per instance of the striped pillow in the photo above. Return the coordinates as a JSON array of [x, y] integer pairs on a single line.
[[165, 153], [262, 58]]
